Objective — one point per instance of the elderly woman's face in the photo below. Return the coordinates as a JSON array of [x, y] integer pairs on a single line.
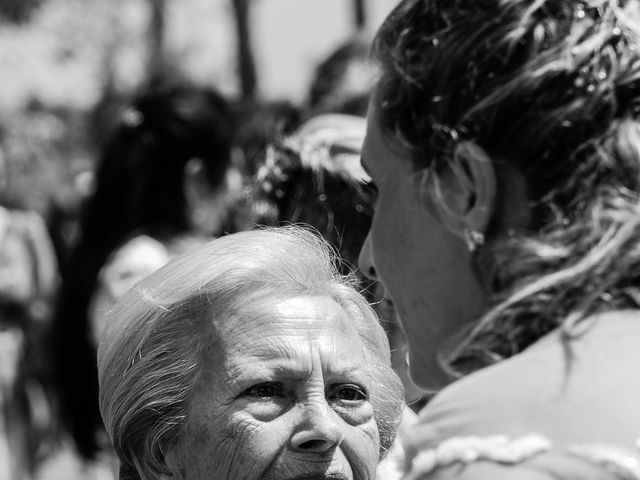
[[284, 395]]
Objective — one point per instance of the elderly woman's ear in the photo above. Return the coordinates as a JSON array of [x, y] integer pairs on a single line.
[[471, 189], [175, 473], [173, 465]]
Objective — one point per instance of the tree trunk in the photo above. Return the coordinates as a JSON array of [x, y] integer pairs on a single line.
[[246, 63], [157, 60], [18, 11], [359, 14]]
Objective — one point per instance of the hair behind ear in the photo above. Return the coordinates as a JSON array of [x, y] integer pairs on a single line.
[[127, 472], [173, 466]]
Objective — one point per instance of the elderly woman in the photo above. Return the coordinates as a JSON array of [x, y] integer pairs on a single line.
[[249, 358], [504, 141]]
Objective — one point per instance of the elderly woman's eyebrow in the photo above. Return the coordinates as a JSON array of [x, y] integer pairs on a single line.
[[277, 369]]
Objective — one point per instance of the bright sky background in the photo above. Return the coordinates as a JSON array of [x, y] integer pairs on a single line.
[[58, 57], [292, 36]]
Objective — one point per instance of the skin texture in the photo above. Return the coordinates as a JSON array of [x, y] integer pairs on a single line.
[[283, 395], [425, 266]]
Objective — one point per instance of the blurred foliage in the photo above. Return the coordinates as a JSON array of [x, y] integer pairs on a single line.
[[18, 11], [67, 69], [44, 151]]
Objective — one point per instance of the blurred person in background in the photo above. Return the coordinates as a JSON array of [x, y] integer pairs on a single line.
[[342, 82], [158, 191], [28, 282], [259, 123], [313, 177]]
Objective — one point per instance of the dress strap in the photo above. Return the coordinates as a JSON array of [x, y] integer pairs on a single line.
[[621, 462], [465, 450]]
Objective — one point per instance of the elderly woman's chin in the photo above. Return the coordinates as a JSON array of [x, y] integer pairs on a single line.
[[285, 467], [336, 468]]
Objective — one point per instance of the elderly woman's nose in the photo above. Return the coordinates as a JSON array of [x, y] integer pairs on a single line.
[[365, 259], [320, 429]]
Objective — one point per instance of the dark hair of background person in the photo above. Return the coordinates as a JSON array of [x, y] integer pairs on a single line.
[[553, 88], [288, 190], [260, 122], [138, 190], [342, 82]]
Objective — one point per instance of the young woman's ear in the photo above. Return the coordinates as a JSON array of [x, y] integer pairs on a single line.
[[464, 192], [479, 186]]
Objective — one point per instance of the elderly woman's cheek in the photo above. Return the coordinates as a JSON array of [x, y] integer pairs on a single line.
[[354, 414], [262, 410], [362, 444], [249, 438], [233, 448], [204, 446]]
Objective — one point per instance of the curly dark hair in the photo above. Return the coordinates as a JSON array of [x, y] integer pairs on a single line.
[[295, 188], [552, 87]]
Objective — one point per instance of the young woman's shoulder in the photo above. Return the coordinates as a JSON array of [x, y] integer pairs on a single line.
[[557, 408], [531, 457]]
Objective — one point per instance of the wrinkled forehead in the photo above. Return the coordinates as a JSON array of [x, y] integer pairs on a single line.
[[289, 328], [297, 335], [301, 317]]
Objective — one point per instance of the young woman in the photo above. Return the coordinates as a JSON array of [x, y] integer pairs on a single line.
[[504, 141]]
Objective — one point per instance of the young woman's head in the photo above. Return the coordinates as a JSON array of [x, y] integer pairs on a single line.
[[512, 123]]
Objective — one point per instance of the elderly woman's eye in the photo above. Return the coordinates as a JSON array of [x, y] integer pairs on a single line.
[[348, 392], [265, 390]]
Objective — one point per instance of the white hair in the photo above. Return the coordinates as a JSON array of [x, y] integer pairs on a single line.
[[149, 356]]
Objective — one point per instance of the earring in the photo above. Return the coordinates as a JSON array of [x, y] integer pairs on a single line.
[[473, 238]]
